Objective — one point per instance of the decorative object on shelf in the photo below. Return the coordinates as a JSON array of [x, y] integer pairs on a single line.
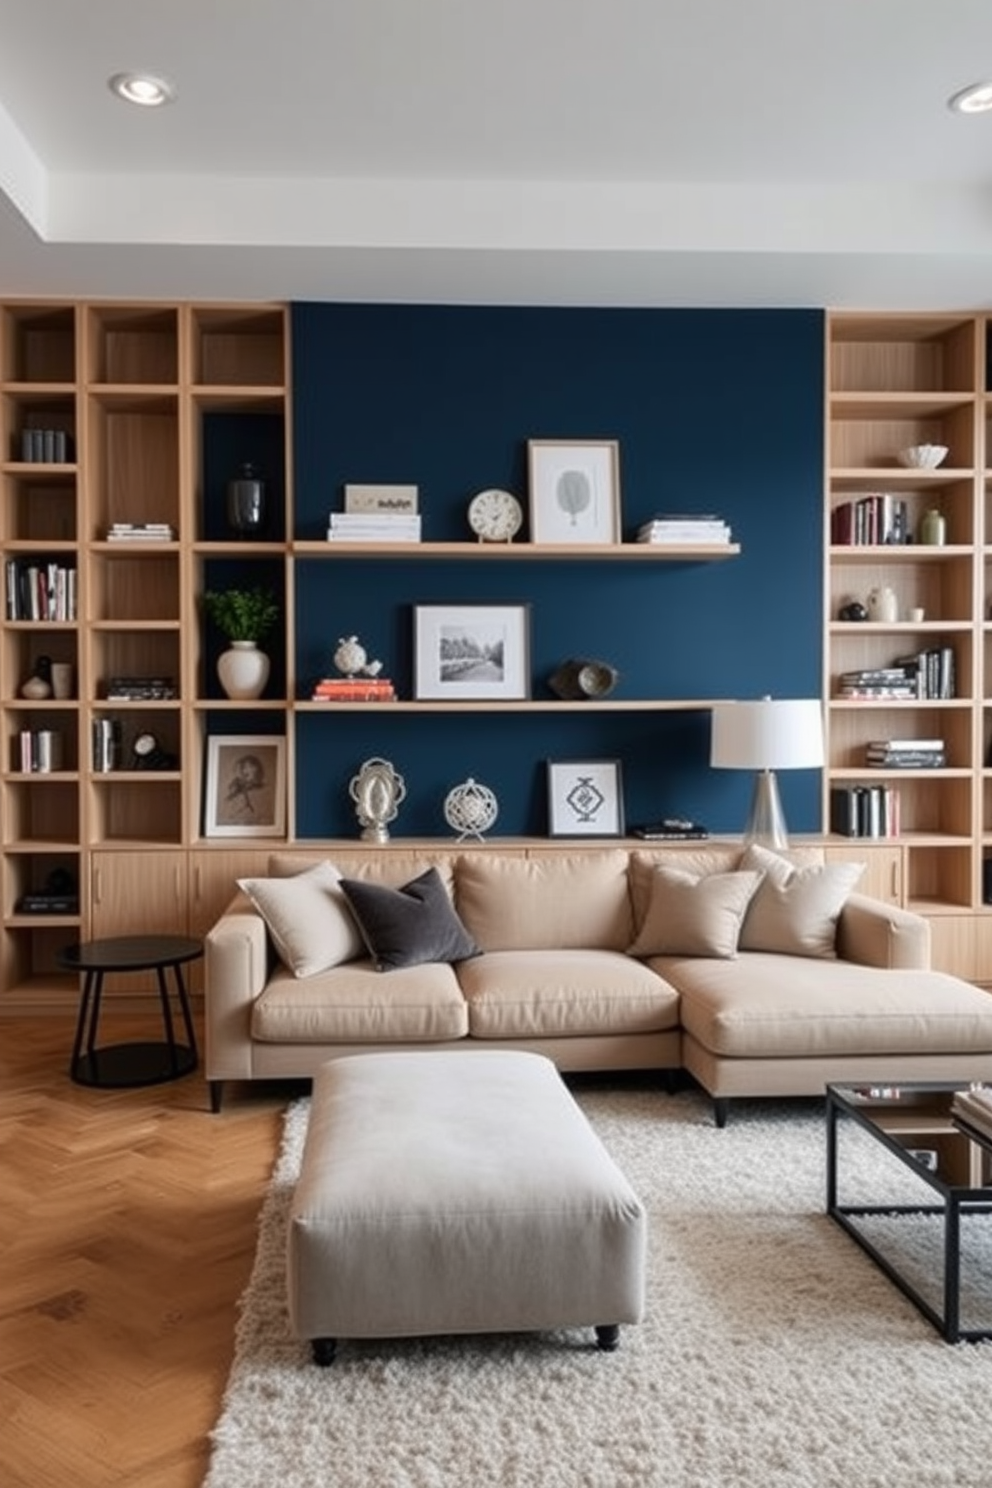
[[246, 508], [765, 736], [933, 528], [583, 679], [401, 500], [923, 456], [853, 610], [883, 606], [244, 616], [377, 791], [59, 895], [351, 659], [584, 798], [63, 680], [916, 614], [39, 684], [495, 516], [466, 652], [574, 490], [148, 754], [470, 809], [246, 786]]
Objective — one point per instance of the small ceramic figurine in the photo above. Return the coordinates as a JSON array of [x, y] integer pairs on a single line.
[[351, 659]]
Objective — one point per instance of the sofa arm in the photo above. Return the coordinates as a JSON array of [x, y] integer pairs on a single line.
[[236, 953], [873, 933]]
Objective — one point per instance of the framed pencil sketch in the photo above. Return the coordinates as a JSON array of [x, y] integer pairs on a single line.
[[465, 652], [246, 786], [574, 490], [585, 798]]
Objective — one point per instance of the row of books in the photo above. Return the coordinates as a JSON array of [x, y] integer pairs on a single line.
[[39, 591], [353, 690], [372, 527], [45, 447], [141, 689], [685, 529], [864, 810], [105, 744], [39, 751], [906, 754], [873, 519], [141, 532], [927, 674]]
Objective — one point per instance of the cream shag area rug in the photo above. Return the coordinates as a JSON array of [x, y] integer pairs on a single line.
[[773, 1354]]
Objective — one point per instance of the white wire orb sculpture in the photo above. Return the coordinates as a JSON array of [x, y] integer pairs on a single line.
[[470, 809]]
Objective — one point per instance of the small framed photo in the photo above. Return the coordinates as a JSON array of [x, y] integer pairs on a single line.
[[585, 798], [246, 786], [574, 490], [463, 652]]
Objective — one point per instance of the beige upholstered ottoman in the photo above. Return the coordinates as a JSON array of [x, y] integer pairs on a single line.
[[452, 1192]]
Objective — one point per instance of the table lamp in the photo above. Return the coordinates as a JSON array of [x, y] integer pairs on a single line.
[[765, 736]]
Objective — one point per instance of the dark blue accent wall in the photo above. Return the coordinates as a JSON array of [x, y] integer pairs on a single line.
[[714, 410]]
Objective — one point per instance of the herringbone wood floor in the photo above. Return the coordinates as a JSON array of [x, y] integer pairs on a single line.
[[127, 1231]]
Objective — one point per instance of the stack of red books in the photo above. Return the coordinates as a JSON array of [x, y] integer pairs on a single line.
[[353, 690]]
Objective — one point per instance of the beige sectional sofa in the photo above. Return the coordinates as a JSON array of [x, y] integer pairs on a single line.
[[759, 974]]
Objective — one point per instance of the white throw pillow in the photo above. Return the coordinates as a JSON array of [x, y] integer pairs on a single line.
[[795, 910], [694, 915], [308, 917]]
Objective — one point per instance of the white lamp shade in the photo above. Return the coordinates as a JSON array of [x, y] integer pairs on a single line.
[[771, 734]]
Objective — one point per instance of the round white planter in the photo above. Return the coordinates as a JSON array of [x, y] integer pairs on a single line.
[[243, 670]]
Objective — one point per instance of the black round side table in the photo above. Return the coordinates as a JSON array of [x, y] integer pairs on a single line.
[[148, 1063]]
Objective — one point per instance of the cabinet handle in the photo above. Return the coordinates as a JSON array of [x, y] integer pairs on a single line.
[[98, 885], [197, 883], [895, 881], [177, 875]]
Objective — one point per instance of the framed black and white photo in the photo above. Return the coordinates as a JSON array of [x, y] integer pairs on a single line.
[[463, 652], [246, 786], [574, 490], [585, 798]]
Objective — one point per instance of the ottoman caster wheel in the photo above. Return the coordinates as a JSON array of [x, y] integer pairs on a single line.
[[608, 1338], [324, 1351]]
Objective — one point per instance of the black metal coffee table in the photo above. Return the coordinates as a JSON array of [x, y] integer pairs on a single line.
[[142, 1063], [913, 1122]]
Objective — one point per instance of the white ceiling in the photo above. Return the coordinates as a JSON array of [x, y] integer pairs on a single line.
[[613, 152]]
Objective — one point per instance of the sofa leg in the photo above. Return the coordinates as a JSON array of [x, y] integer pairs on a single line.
[[324, 1351], [607, 1338], [721, 1110], [216, 1095]]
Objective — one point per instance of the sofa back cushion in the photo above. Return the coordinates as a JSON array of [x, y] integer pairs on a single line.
[[393, 866], [546, 901]]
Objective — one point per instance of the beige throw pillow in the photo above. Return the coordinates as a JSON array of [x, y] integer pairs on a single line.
[[308, 917], [795, 910], [693, 915]]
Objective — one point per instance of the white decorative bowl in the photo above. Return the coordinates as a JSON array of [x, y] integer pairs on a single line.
[[923, 456]]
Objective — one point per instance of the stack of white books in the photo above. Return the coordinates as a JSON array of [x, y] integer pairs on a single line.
[[141, 532], [973, 1108], [684, 529], [373, 527]]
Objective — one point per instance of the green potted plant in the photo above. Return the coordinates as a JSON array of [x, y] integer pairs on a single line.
[[244, 616]]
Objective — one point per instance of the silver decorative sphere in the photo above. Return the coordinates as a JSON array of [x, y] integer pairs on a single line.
[[470, 809]]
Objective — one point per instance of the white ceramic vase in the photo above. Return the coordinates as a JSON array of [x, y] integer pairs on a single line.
[[243, 670]]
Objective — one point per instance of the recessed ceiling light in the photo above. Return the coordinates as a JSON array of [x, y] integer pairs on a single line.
[[142, 88], [977, 99]]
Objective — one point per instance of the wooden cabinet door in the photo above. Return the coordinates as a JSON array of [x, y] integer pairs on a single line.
[[213, 879], [138, 893], [883, 875]]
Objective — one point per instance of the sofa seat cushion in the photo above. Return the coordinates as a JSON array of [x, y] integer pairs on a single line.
[[535, 994], [768, 1006], [356, 1004], [542, 902]]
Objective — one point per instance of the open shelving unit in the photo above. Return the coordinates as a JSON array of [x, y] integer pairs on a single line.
[[895, 381]]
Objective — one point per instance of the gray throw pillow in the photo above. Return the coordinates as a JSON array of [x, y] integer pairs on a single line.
[[409, 925]]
